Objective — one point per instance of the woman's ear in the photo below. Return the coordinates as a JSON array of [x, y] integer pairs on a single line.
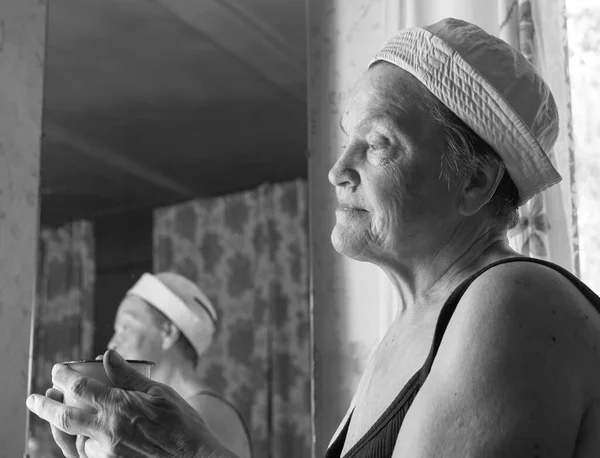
[[169, 334], [479, 187]]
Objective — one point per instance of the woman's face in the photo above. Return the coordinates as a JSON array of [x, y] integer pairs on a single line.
[[136, 331], [392, 201]]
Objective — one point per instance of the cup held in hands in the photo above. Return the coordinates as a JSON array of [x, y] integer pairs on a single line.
[[95, 369]]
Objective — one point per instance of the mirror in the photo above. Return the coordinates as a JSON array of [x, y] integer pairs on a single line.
[[174, 140]]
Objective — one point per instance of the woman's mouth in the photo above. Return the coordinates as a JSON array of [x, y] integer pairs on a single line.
[[349, 208]]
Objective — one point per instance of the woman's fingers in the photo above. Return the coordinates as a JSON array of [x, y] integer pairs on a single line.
[[65, 441], [70, 420], [123, 375], [80, 443], [55, 394], [93, 450], [77, 386]]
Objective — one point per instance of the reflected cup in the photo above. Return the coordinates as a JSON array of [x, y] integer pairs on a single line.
[[95, 369]]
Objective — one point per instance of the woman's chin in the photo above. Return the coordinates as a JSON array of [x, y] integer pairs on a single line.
[[349, 246]]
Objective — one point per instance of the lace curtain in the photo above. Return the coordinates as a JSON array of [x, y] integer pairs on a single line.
[[63, 329], [548, 227], [248, 252]]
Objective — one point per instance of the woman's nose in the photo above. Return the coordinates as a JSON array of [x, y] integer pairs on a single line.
[[112, 343], [343, 173]]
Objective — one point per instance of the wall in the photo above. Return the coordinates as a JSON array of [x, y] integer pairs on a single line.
[[22, 37], [123, 253], [482, 13]]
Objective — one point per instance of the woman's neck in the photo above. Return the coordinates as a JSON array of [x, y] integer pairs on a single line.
[[178, 373], [431, 277]]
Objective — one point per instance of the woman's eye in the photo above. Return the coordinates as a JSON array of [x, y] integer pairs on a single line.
[[378, 142]]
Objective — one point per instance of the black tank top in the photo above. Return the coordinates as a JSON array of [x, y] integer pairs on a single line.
[[379, 441]]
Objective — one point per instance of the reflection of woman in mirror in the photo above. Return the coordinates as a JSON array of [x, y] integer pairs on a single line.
[[167, 319]]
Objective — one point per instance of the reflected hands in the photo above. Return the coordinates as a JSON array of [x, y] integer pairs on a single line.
[[138, 418]]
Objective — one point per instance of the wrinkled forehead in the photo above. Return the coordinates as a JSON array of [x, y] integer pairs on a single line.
[[386, 92]]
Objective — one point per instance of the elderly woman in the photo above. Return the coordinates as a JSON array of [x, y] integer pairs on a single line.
[[491, 354]]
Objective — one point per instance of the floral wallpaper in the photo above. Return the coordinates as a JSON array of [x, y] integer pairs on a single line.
[[527, 25], [64, 314], [249, 253]]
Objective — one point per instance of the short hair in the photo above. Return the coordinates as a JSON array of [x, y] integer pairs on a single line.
[[465, 153]]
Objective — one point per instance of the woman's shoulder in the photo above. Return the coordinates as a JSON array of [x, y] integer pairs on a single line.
[[212, 403], [527, 303], [526, 290], [223, 419], [518, 362], [530, 281]]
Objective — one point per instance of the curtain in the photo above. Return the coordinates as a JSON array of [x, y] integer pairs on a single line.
[[64, 314], [548, 226], [249, 253]]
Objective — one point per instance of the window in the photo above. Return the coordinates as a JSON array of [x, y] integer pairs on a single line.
[[583, 21]]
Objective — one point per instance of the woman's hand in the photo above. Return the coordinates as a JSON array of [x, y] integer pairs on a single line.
[[139, 418]]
